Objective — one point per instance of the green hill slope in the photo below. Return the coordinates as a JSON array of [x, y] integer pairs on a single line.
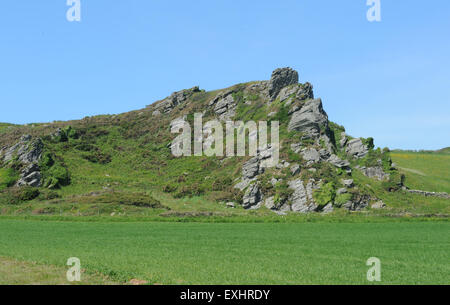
[[123, 164]]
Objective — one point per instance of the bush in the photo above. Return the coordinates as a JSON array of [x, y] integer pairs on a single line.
[[342, 199], [325, 194], [190, 191], [395, 182], [8, 177], [17, 195], [48, 195], [56, 177]]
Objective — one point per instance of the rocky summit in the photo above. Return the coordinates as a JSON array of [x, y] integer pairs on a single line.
[[321, 168]]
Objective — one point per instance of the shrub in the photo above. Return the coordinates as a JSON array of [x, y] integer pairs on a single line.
[[325, 194], [17, 195], [395, 182], [342, 199], [8, 177], [190, 191], [56, 177]]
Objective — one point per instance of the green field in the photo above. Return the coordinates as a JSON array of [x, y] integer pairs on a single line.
[[411, 252], [425, 171]]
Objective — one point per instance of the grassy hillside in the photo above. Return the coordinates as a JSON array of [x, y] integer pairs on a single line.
[[193, 253], [424, 171]]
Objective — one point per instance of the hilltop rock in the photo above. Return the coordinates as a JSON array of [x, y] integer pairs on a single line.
[[309, 119], [224, 106], [281, 78], [175, 99]]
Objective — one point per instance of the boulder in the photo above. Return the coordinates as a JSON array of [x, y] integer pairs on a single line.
[[310, 155], [253, 197], [375, 173], [378, 205], [281, 78], [309, 119], [356, 148], [338, 162]]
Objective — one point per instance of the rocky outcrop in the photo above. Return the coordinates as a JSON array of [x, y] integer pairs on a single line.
[[374, 173], [175, 99], [310, 155], [358, 203], [309, 119], [253, 197], [28, 152], [356, 148], [280, 79], [254, 167], [301, 199], [30, 176], [224, 106]]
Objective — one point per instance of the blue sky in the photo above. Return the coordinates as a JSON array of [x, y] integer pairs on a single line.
[[389, 79]]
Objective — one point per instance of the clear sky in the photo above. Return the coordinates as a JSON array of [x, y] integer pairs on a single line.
[[389, 79]]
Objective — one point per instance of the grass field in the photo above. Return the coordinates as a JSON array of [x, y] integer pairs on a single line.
[[425, 171], [412, 252]]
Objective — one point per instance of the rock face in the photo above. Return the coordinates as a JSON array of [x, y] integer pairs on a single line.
[[309, 119], [356, 148], [30, 176], [253, 197], [302, 197], [224, 106], [28, 152], [375, 173], [280, 79], [175, 99], [254, 167]]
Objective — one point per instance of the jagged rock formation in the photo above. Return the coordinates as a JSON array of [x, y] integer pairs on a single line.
[[309, 119], [175, 99], [224, 105], [27, 152], [280, 79]]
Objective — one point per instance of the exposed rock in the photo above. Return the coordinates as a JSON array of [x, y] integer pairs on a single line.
[[378, 205], [252, 197], [358, 203], [26, 150], [328, 209], [175, 99], [288, 92], [429, 194], [375, 172], [305, 92], [281, 78], [295, 169], [255, 166], [341, 191], [344, 139], [338, 162], [356, 148], [270, 203], [224, 106], [347, 182], [299, 198], [310, 155], [231, 205], [309, 119]]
